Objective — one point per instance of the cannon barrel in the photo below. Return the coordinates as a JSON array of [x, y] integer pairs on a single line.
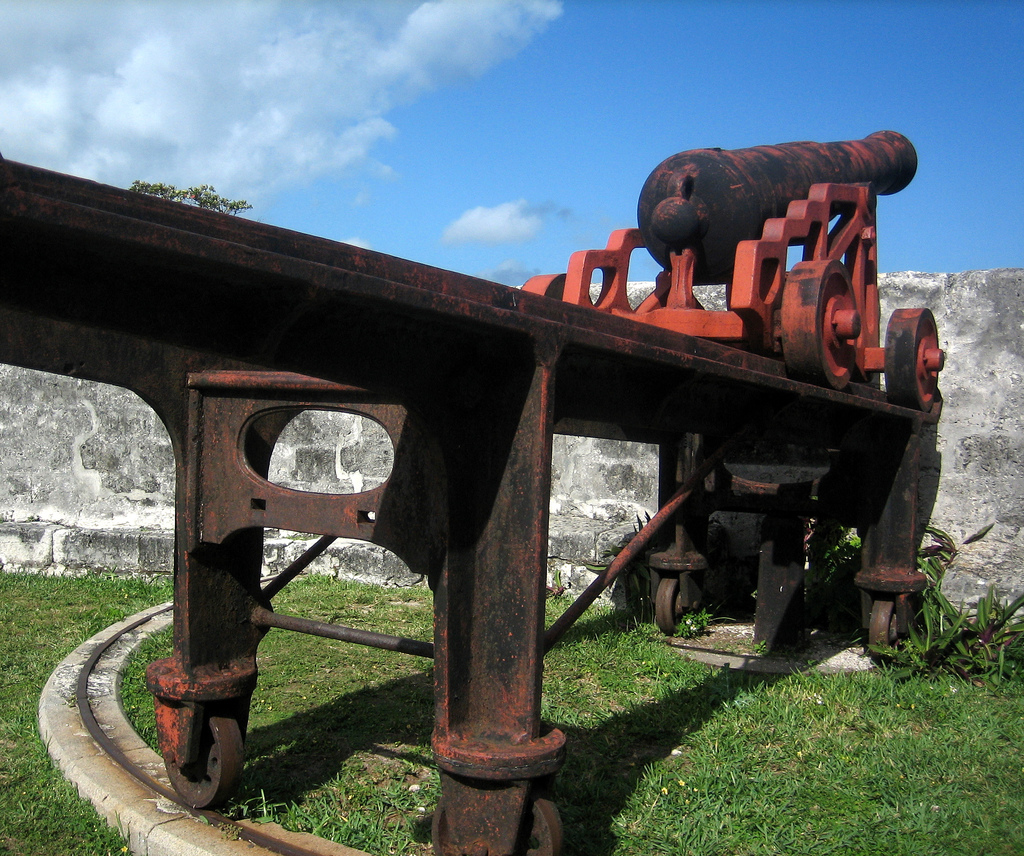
[[711, 199]]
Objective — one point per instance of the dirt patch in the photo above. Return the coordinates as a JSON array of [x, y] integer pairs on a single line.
[[733, 645]]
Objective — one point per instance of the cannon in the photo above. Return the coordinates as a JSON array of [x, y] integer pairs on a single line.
[[230, 328], [712, 199], [713, 216]]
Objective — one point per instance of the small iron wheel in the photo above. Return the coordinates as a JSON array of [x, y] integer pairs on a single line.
[[913, 359], [882, 631], [544, 839], [546, 834], [820, 323], [214, 776], [666, 605]]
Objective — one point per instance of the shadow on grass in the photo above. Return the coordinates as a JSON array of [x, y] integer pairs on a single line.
[[605, 764], [309, 748], [297, 755]]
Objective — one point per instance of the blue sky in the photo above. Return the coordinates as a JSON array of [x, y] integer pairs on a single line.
[[496, 138]]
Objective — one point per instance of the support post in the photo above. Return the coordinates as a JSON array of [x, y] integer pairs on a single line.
[[889, 576], [496, 764], [779, 618]]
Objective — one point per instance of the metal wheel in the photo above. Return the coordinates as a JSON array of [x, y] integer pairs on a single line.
[[666, 602], [913, 359], [215, 774], [546, 834], [882, 631], [820, 323]]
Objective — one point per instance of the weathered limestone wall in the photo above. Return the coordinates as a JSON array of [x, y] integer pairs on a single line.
[[979, 467], [86, 475]]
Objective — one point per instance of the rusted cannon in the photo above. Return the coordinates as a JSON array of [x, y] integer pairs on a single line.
[[712, 199], [230, 328], [713, 216]]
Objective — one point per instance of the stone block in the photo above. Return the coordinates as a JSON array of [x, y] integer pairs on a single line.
[[26, 546], [574, 537], [344, 560], [156, 551], [100, 549]]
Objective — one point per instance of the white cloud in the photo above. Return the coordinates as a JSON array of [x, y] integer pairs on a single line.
[[248, 96], [509, 272], [508, 223], [425, 55]]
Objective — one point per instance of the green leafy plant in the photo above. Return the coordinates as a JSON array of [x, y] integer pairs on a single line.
[[635, 578], [202, 196], [984, 645], [831, 600], [694, 624]]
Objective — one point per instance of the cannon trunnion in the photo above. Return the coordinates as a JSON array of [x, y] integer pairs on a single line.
[[228, 328]]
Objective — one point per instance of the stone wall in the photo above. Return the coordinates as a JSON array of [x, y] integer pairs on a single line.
[[978, 473], [86, 475]]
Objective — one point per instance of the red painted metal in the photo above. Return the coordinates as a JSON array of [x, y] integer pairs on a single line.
[[732, 217], [229, 328]]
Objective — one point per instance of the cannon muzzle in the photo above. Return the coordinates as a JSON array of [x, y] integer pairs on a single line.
[[711, 199]]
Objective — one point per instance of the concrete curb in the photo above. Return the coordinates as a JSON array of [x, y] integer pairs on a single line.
[[152, 825]]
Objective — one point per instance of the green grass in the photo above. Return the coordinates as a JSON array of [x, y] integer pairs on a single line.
[[43, 619], [665, 756]]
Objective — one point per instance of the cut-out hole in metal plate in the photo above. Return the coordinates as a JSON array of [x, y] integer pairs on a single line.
[[327, 451]]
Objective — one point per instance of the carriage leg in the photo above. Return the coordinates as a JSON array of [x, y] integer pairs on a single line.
[[497, 767], [779, 618], [677, 572], [889, 577], [202, 692]]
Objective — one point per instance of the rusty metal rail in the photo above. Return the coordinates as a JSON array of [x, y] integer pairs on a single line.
[[229, 329]]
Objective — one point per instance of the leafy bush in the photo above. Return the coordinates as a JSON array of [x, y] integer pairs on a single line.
[[693, 624], [203, 196], [984, 645], [831, 600]]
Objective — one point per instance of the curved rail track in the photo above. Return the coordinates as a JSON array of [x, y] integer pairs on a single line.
[[111, 748]]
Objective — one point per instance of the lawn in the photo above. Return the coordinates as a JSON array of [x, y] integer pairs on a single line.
[[44, 619], [665, 755]]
